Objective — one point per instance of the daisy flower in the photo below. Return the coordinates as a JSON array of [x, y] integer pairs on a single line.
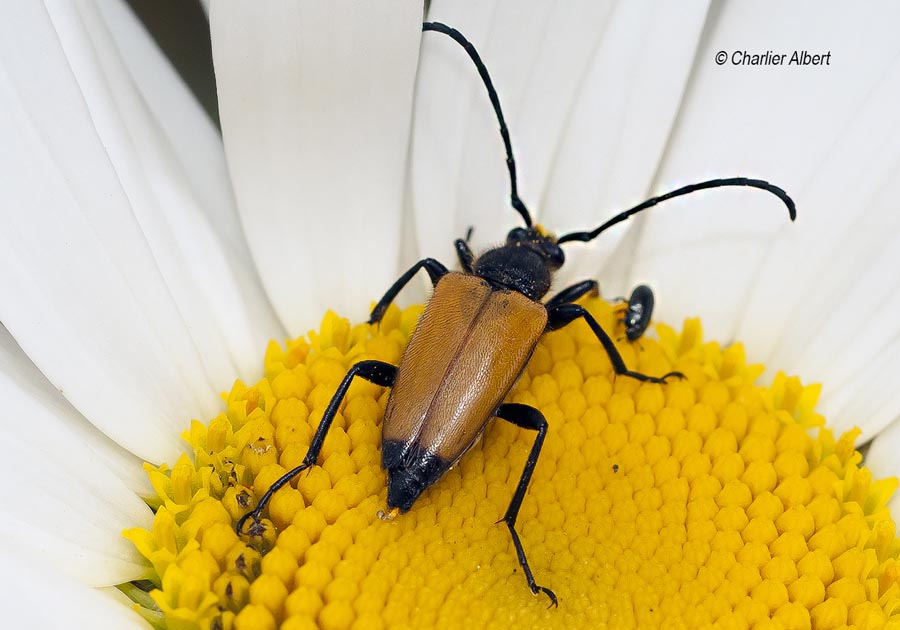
[[143, 272]]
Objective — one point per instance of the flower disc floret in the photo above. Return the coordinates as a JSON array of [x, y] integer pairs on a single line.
[[708, 502]]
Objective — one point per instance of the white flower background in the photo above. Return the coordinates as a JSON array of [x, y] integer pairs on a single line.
[[145, 263]]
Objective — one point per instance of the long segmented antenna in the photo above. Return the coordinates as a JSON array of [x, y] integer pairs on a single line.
[[495, 101], [713, 183]]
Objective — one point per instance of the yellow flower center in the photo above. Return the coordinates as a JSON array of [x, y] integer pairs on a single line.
[[705, 502]]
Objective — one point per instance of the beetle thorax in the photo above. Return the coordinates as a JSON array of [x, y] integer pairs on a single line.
[[515, 267]]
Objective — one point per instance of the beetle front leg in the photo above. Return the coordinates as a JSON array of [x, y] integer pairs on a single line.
[[527, 418], [564, 314], [377, 372], [435, 270]]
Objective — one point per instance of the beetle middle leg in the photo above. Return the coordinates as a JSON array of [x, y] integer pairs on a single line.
[[574, 292], [435, 270], [527, 418], [564, 314], [377, 372]]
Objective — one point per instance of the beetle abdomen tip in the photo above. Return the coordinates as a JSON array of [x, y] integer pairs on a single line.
[[411, 476], [404, 487]]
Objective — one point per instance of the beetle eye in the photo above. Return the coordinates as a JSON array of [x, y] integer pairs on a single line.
[[554, 254], [517, 235]]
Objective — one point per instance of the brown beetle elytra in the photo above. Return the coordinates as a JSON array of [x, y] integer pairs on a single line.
[[477, 333]]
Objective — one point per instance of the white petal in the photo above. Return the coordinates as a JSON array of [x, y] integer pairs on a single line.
[[21, 374], [35, 596], [315, 100], [813, 298], [61, 500], [569, 78], [617, 132], [188, 213], [231, 294], [124, 296]]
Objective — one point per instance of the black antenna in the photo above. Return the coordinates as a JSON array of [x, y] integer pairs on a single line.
[[713, 183], [495, 101]]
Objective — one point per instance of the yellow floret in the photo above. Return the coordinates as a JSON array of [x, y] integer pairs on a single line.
[[709, 502]]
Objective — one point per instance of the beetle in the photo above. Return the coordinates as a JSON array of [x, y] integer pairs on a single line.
[[474, 339]]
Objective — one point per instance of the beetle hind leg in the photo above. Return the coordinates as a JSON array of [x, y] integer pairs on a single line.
[[377, 372], [527, 418]]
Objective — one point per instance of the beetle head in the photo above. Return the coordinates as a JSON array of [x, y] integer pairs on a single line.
[[540, 242]]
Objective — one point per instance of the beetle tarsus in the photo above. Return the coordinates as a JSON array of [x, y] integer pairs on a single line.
[[240, 524], [564, 314], [525, 417], [275, 487], [554, 603], [520, 553], [652, 379], [256, 528], [377, 372]]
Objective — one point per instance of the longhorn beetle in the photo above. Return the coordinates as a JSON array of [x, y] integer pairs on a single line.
[[473, 340]]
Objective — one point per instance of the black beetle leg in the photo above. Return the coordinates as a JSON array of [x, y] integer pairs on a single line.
[[435, 271], [377, 372], [564, 314], [464, 253], [574, 292], [527, 418]]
